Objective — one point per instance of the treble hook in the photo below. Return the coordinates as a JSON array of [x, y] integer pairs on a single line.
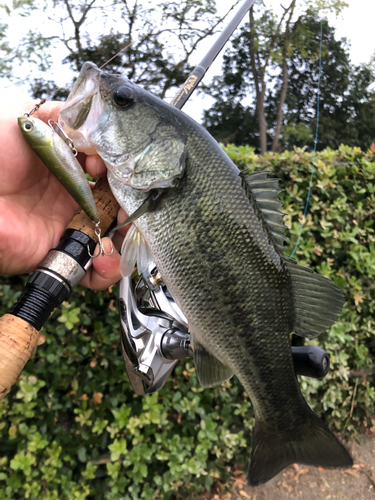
[[101, 251], [61, 132]]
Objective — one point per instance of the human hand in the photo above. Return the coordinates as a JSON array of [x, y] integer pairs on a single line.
[[34, 207]]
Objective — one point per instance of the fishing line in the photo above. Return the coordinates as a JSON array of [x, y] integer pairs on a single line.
[[45, 99], [119, 52], [315, 142], [37, 106]]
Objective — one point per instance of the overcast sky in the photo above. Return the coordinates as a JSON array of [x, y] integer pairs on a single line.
[[355, 23]]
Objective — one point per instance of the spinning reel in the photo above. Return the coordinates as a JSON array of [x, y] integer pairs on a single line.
[[155, 335], [154, 332]]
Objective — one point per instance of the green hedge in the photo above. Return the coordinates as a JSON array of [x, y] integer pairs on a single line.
[[72, 427]]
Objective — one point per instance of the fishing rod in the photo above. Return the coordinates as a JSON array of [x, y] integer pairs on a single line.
[[200, 70], [66, 265]]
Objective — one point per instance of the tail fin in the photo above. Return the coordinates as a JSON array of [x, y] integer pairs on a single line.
[[311, 444]]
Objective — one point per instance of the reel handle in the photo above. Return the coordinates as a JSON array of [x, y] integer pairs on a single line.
[[50, 284]]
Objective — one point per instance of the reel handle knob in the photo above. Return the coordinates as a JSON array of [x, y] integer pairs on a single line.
[[311, 361], [49, 286]]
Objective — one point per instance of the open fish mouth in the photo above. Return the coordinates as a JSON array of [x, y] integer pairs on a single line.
[[83, 108], [106, 114]]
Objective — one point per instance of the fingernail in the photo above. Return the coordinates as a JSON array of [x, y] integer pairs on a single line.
[[108, 248]]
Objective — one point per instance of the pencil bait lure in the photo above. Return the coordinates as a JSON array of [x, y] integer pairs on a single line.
[[59, 158]]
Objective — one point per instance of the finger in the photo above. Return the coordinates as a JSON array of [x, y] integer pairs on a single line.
[[95, 166], [105, 269], [119, 235], [121, 217], [117, 239]]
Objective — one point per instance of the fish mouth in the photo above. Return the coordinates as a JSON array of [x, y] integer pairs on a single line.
[[83, 108], [86, 85]]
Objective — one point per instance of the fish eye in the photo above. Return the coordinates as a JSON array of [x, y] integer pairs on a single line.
[[28, 126], [123, 97]]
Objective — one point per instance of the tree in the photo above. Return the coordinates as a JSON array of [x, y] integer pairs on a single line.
[[360, 105], [232, 123], [5, 52], [156, 39], [260, 57], [305, 71], [346, 111]]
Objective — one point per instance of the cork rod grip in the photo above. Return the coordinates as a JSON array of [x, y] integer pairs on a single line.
[[18, 339], [107, 209]]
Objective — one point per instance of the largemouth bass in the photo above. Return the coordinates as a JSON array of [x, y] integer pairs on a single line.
[[216, 237], [59, 159]]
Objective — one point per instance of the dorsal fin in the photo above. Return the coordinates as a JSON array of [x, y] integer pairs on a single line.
[[317, 301], [263, 195]]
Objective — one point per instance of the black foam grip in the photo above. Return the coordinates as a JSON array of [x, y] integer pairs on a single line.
[[76, 244]]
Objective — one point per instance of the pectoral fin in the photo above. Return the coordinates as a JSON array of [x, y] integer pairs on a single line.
[[150, 204], [134, 251]]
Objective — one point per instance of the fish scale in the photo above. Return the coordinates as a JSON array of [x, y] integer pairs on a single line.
[[216, 237]]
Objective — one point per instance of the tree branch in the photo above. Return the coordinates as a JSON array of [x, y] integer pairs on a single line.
[[284, 86], [276, 34]]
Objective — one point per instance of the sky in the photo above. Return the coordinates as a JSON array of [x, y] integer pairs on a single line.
[[355, 23]]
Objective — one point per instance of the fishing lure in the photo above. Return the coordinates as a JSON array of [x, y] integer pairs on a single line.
[[59, 158]]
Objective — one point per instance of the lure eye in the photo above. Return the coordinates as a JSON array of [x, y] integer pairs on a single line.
[[123, 97], [28, 126]]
